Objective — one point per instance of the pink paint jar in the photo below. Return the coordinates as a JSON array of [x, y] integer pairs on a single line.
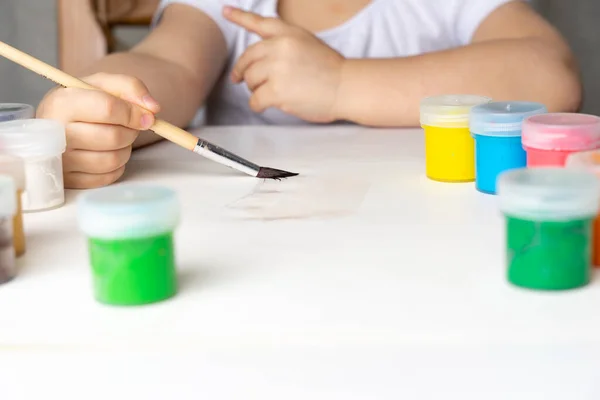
[[548, 139]]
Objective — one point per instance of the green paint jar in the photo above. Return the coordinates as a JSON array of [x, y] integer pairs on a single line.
[[130, 232], [549, 221]]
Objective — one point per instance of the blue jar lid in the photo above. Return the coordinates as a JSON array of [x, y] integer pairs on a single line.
[[12, 111], [502, 118], [128, 211]]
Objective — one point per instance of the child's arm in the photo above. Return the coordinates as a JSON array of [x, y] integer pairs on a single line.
[[515, 55], [179, 62], [175, 66]]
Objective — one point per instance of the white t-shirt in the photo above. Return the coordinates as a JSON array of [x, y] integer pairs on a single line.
[[383, 29]]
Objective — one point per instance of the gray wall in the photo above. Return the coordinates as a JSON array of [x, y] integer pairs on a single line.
[[31, 26], [579, 21]]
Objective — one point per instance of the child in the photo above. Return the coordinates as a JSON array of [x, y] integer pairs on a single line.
[[367, 62]]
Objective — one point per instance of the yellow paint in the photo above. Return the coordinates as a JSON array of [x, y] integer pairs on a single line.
[[449, 154]]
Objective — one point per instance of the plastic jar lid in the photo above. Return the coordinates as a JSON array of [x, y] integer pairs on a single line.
[[15, 167], [562, 131], [8, 199], [128, 211], [549, 193], [449, 111], [12, 111], [503, 118], [585, 160], [32, 137]]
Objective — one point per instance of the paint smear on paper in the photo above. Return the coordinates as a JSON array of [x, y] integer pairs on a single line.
[[307, 196]]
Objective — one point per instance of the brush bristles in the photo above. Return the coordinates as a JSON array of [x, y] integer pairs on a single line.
[[272, 173]]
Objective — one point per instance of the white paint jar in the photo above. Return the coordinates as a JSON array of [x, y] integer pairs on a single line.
[[41, 144]]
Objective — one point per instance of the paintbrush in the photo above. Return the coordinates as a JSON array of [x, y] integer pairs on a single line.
[[160, 127]]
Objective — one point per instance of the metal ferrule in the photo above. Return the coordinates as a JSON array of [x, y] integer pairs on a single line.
[[222, 156]]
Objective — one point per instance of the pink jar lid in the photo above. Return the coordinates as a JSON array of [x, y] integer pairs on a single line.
[[562, 131]]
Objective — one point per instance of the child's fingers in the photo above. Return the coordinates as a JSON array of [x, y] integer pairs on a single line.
[[94, 106], [263, 26], [263, 98], [82, 180], [125, 87], [98, 137], [252, 54], [256, 75], [95, 162]]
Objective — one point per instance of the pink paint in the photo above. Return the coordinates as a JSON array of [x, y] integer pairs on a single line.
[[546, 158], [549, 139]]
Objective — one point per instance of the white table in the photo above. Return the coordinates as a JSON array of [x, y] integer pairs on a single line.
[[358, 279]]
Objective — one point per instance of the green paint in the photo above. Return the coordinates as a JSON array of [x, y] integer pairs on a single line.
[[549, 255], [133, 271]]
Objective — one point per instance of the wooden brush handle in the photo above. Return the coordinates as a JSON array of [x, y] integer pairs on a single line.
[[162, 128]]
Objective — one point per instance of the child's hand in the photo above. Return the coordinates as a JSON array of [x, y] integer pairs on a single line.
[[100, 127], [290, 69]]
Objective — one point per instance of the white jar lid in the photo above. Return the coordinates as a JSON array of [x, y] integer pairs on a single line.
[[15, 167], [8, 197], [32, 137], [549, 194], [128, 211]]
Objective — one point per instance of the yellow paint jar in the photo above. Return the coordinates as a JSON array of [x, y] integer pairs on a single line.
[[449, 146], [14, 167]]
